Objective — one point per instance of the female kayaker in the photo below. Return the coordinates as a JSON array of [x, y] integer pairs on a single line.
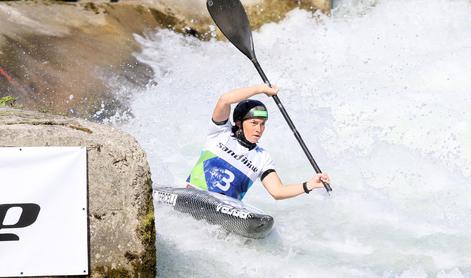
[[231, 159]]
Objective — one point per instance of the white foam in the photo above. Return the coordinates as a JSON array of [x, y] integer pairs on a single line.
[[380, 93]]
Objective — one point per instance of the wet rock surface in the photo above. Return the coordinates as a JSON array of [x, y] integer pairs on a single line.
[[77, 58], [121, 214]]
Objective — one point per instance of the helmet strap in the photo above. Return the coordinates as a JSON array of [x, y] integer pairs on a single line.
[[240, 136]]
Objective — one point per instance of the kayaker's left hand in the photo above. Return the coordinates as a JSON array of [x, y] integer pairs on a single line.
[[316, 181]]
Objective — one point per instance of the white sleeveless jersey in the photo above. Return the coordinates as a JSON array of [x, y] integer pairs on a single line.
[[227, 167]]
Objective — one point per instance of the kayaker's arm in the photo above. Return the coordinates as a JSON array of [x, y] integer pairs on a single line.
[[223, 106], [278, 191]]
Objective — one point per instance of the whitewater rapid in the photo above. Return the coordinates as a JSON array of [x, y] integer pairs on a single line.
[[380, 92]]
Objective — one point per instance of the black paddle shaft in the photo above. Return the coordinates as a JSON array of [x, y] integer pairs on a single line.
[[291, 125], [232, 20]]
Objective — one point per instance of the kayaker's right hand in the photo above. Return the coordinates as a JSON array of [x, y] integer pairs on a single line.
[[267, 90]]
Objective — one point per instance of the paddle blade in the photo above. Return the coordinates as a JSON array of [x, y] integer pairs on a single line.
[[230, 17]]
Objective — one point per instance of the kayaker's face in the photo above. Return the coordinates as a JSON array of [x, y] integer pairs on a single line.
[[253, 129]]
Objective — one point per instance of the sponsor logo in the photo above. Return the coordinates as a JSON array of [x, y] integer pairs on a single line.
[[232, 211], [242, 158], [167, 198], [29, 214]]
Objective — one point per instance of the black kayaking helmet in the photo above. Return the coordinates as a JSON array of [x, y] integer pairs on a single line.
[[249, 109]]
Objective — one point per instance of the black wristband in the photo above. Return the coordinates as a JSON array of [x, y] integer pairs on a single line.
[[305, 188]]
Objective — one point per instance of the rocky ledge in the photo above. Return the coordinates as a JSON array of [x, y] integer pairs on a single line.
[[71, 58], [121, 213]]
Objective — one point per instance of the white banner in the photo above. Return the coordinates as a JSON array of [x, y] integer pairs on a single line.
[[43, 211]]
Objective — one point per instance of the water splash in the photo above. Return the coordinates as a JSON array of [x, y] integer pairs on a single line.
[[380, 93]]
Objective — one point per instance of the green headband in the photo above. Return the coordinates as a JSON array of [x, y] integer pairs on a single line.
[[260, 113], [256, 113]]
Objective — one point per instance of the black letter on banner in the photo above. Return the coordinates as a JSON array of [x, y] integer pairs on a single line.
[[28, 216]]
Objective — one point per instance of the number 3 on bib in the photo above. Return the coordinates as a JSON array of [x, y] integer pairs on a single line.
[[226, 181]]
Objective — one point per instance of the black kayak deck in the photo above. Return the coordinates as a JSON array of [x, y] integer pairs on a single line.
[[229, 213]]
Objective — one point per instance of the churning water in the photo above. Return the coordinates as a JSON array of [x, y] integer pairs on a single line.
[[380, 92]]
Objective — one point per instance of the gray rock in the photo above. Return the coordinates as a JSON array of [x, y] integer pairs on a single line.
[[121, 215]]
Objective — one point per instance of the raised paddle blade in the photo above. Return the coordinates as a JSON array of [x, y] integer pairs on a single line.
[[230, 17]]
